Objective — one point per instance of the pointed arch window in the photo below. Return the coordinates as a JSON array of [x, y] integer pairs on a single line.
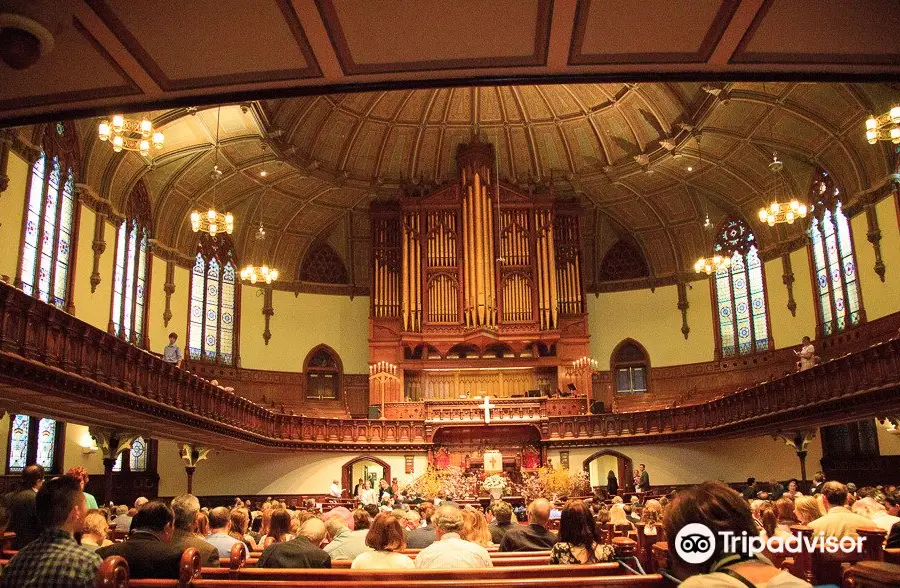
[[631, 367], [323, 374], [214, 291], [128, 319], [837, 286], [137, 458], [49, 230], [740, 293]]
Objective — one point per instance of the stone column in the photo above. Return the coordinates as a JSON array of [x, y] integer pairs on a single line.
[[798, 440], [192, 455], [111, 444]]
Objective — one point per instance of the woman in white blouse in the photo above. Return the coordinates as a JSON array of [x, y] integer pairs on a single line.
[[387, 539]]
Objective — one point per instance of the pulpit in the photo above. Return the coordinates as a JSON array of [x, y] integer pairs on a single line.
[[493, 461]]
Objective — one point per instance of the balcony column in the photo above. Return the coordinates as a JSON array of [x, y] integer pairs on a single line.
[[111, 444], [798, 440], [192, 454]]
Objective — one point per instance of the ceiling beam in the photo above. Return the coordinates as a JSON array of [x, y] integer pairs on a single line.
[[737, 27], [111, 43], [319, 41], [561, 28]]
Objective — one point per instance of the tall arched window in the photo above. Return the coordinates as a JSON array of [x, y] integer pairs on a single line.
[[130, 280], [213, 301], [832, 252], [323, 374], [630, 367], [740, 292], [49, 231], [137, 457]]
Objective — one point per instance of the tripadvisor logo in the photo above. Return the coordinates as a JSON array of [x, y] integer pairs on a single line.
[[695, 544]]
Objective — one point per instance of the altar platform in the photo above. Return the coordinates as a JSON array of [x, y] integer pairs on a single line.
[[467, 411]]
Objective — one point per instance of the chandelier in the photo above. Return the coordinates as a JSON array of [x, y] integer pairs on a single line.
[[262, 273], [711, 265], [885, 127], [781, 212], [130, 135], [213, 221]]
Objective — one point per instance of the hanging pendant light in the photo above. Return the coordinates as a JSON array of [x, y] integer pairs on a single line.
[[262, 273], [213, 221]]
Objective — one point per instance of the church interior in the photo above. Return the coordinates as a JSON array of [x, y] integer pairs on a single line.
[[581, 234]]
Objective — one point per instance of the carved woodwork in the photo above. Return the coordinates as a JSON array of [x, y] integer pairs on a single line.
[[683, 308], [323, 265], [61, 366], [476, 269], [267, 311], [787, 277], [169, 289], [98, 245], [4, 164], [874, 237]]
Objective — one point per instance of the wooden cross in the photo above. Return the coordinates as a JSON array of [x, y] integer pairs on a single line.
[[493, 461], [487, 406]]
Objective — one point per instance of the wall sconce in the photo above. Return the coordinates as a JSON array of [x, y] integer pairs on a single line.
[[89, 449]]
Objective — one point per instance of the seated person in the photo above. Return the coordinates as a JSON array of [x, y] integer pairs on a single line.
[[303, 551], [450, 551], [386, 539], [149, 550], [219, 529], [535, 536], [721, 510], [96, 530], [579, 538], [502, 513], [838, 520]]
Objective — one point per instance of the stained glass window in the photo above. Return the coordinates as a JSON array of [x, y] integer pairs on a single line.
[[18, 442], [213, 301], [837, 286], [32, 440], [138, 455], [48, 231], [46, 443], [740, 292], [131, 267]]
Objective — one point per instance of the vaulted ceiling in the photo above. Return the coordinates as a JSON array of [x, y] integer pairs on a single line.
[[648, 161]]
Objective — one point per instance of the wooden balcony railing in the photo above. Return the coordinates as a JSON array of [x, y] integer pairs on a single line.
[[52, 363]]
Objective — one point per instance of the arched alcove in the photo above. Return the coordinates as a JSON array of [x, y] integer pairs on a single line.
[[598, 464], [357, 467]]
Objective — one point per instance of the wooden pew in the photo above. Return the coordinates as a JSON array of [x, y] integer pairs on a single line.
[[892, 555], [6, 542], [871, 574]]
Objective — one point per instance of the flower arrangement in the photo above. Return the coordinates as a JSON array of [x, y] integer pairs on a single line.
[[555, 482], [494, 482]]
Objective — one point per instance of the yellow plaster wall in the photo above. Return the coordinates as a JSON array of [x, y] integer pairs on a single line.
[[228, 472], [12, 209], [93, 308], [653, 319], [78, 437], [157, 331], [888, 443], [299, 324], [730, 460], [879, 298], [788, 330]]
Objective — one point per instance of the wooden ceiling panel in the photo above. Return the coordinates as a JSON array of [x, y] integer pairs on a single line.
[[635, 31], [417, 35], [828, 101], [490, 109], [394, 158], [459, 110], [428, 152], [658, 249], [182, 50], [823, 31], [553, 158], [363, 152], [78, 68], [735, 116]]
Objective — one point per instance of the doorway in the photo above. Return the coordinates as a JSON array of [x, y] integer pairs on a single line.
[[599, 464], [365, 467]]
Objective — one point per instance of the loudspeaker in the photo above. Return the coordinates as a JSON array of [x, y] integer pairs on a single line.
[[597, 407]]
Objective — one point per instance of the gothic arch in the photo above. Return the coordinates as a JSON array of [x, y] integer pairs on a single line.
[[625, 466]]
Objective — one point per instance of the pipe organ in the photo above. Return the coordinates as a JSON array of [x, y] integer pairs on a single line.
[[477, 270]]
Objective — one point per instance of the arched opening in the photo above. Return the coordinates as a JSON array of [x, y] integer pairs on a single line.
[[323, 371], [630, 367], [599, 464], [364, 467]]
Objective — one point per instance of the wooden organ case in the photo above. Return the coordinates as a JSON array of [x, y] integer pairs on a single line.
[[475, 289]]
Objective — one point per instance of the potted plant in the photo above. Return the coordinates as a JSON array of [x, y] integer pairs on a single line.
[[495, 485]]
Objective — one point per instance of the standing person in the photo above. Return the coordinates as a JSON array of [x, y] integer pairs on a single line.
[[612, 483], [335, 490], [81, 475], [357, 488], [644, 479], [818, 482], [171, 352], [53, 558], [807, 354], [367, 495], [23, 519]]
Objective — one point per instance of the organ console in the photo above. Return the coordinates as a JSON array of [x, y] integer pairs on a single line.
[[477, 275]]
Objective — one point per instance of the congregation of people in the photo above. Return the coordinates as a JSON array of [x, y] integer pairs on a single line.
[[61, 536]]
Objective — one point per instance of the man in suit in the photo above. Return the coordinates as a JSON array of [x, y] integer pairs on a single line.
[[838, 521], [300, 552], [534, 537], [818, 482], [149, 550], [423, 536], [23, 520], [645, 478], [185, 508]]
